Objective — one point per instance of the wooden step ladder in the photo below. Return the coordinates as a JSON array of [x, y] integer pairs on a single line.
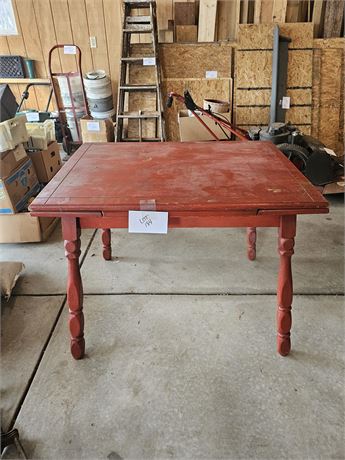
[[139, 24]]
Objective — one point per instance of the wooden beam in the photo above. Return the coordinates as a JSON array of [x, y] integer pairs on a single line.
[[257, 12], [292, 10], [244, 12], [279, 10], [207, 20], [333, 18], [317, 14]]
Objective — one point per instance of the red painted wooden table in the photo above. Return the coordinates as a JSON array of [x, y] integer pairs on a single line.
[[200, 184]]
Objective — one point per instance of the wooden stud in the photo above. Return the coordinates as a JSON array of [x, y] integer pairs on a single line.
[[244, 12], [279, 10], [292, 10], [334, 14], [317, 14]]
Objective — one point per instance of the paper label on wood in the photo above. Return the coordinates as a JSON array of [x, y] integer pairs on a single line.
[[93, 126], [70, 49], [286, 102], [33, 116], [147, 222], [149, 61], [211, 74]]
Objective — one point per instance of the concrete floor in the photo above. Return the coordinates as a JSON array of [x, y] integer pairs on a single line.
[[180, 336]]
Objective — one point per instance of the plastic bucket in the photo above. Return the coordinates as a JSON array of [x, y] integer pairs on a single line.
[[101, 105], [98, 92], [103, 115]]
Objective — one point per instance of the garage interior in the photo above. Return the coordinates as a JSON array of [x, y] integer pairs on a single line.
[[181, 358]]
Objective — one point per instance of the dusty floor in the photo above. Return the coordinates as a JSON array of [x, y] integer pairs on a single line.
[[180, 336]]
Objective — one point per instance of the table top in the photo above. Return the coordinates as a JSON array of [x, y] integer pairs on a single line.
[[179, 176]]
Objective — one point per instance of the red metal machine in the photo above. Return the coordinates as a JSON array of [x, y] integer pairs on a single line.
[[76, 104]]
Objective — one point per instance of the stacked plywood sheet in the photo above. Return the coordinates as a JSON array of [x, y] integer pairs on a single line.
[[203, 69], [253, 74], [328, 93]]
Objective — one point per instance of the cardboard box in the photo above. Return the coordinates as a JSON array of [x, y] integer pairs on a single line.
[[96, 130], [192, 130], [24, 228], [11, 159], [46, 162], [17, 188]]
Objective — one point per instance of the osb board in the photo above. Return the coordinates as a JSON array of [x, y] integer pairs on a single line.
[[145, 102], [261, 115], [193, 60], [263, 96], [260, 36], [322, 43], [254, 69], [200, 89], [328, 93]]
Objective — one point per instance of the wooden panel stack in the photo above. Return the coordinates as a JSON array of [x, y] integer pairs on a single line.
[[253, 74], [186, 30], [187, 67], [328, 93]]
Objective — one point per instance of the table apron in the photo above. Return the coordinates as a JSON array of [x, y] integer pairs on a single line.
[[185, 221]]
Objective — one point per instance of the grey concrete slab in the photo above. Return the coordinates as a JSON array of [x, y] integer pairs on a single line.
[[45, 263], [191, 377], [214, 260], [26, 323]]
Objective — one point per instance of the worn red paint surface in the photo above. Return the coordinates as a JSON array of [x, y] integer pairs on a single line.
[[200, 184], [179, 176]]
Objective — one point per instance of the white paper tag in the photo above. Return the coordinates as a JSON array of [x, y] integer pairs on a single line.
[[33, 116], [93, 126], [69, 49], [149, 61], [211, 74], [286, 102], [330, 152], [147, 222]]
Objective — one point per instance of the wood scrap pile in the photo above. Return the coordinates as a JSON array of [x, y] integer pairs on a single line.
[[209, 20]]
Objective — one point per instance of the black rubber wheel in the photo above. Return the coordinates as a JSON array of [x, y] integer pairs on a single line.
[[296, 154]]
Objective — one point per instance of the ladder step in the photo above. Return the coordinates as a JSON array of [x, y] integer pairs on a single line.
[[136, 115], [138, 88], [138, 19], [138, 29], [135, 60], [138, 3]]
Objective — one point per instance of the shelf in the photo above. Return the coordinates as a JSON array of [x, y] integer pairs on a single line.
[[23, 81]]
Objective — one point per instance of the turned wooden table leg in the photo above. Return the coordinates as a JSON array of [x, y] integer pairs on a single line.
[[106, 241], [71, 235], [251, 243], [287, 232]]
